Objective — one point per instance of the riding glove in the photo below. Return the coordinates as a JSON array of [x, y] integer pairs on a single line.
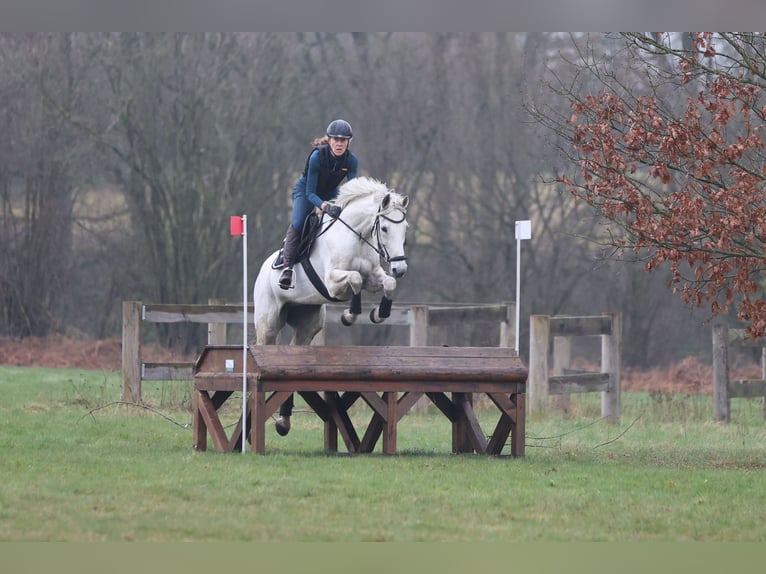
[[333, 211]]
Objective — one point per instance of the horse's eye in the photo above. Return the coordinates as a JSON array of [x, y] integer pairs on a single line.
[[384, 229]]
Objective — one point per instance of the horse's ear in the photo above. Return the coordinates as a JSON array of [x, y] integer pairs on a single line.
[[405, 201], [386, 202]]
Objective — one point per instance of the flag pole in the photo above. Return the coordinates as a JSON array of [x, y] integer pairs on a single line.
[[244, 331], [523, 231]]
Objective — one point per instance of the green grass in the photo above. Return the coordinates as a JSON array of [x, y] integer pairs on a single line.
[[77, 468]]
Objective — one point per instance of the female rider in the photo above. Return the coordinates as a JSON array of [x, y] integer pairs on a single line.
[[329, 163]]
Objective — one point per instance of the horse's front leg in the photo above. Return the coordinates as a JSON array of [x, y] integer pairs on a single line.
[[383, 310], [339, 284]]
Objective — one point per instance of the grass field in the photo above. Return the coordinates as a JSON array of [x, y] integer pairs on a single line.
[[76, 467]]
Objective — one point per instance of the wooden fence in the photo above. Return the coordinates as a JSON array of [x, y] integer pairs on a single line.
[[542, 385], [724, 389], [417, 317]]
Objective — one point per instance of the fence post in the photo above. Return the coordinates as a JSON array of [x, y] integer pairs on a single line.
[[508, 326], [562, 360], [216, 332], [419, 326], [131, 351], [539, 336], [419, 338], [611, 351], [721, 373]]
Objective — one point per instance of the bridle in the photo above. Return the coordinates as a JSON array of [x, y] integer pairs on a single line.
[[381, 248]]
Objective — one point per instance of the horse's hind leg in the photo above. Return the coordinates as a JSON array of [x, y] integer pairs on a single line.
[[307, 322]]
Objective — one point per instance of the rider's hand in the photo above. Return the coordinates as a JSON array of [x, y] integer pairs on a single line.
[[333, 211]]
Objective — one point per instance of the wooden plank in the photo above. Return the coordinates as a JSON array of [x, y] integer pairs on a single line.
[[518, 432], [342, 421], [131, 351], [376, 403], [269, 353], [440, 316], [199, 428], [505, 404], [446, 406], [389, 438], [400, 316], [561, 326], [373, 432], [500, 434], [167, 371], [747, 388], [210, 416], [378, 422], [387, 363], [406, 402], [348, 384], [161, 313], [219, 382], [235, 439], [579, 383], [258, 429], [317, 404], [470, 425]]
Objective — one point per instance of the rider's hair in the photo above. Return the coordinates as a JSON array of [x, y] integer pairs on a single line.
[[319, 141]]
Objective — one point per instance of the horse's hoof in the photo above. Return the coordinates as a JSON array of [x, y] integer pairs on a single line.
[[346, 322], [282, 425], [374, 317]]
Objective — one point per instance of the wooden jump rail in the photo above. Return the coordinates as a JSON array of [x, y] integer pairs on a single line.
[[218, 315], [725, 389], [561, 329], [390, 380]]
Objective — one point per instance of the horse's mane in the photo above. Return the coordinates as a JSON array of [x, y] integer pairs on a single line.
[[360, 187], [368, 188]]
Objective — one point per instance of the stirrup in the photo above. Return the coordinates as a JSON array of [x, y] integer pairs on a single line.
[[286, 278]]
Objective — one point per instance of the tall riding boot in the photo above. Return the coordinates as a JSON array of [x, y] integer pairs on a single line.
[[289, 251]]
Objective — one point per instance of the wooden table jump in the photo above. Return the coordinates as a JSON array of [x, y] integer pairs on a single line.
[[390, 380]]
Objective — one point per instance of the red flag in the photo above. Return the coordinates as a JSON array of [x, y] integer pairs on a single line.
[[235, 225]]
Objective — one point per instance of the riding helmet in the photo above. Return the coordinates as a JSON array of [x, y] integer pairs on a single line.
[[340, 129]]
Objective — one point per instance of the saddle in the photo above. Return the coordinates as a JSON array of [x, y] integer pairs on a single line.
[[309, 233]]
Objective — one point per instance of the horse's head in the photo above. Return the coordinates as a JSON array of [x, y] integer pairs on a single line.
[[391, 223]]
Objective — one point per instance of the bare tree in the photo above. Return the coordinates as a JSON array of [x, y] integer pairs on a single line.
[[37, 161]]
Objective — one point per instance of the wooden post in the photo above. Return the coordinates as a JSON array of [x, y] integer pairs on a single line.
[[611, 351], [508, 327], [419, 326], [562, 360], [419, 338], [539, 336], [721, 373], [131, 351], [216, 332]]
